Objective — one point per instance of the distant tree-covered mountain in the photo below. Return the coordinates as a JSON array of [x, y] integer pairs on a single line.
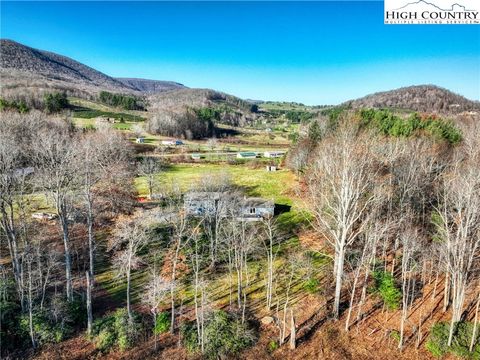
[[424, 98]]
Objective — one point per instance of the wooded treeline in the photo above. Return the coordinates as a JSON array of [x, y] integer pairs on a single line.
[[400, 212]]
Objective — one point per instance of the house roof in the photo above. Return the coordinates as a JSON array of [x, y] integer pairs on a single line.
[[256, 201], [203, 195], [216, 195]]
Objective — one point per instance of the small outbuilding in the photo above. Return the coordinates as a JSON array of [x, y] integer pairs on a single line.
[[140, 140], [271, 168], [197, 156], [247, 155]]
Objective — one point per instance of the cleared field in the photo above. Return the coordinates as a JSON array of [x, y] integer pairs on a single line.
[[277, 185]]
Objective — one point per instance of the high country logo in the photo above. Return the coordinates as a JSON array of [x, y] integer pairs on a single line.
[[431, 12]]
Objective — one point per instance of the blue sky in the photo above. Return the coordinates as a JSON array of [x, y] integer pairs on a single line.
[[311, 52]]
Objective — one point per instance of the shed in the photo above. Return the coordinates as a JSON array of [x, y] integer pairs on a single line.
[[246, 155], [197, 156]]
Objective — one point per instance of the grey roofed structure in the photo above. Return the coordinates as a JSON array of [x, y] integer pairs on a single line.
[[256, 208], [223, 204]]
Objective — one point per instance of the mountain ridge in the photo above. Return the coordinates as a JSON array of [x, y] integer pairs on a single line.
[[41, 66], [29, 72]]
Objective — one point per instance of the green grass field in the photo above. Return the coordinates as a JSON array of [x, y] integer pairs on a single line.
[[256, 182]]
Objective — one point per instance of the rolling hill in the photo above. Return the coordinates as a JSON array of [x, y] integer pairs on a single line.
[[424, 98]]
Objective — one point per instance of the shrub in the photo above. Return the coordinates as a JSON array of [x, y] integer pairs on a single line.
[[437, 342], [188, 331], [395, 335], [387, 289], [116, 330], [162, 323], [19, 106], [312, 286], [272, 346], [225, 336], [45, 330]]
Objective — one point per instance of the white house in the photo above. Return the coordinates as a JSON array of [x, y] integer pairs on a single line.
[[172, 142], [273, 154], [140, 140]]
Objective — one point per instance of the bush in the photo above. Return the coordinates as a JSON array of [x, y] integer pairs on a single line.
[[116, 330], [162, 324], [312, 286], [272, 346], [225, 336], [386, 287], [437, 342], [45, 330], [19, 106]]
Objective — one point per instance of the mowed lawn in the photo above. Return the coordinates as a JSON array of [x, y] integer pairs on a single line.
[[278, 185]]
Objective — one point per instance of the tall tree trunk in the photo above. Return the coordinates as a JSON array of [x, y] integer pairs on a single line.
[[129, 310], [68, 258], [292, 331], [338, 283], [475, 323], [30, 305], [91, 236], [172, 289], [8, 226], [89, 303]]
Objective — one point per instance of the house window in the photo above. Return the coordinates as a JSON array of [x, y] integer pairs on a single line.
[[252, 210]]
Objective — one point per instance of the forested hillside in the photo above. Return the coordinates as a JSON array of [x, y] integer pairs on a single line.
[[425, 98]]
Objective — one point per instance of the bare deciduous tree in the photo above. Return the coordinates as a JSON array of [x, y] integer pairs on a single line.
[[130, 236], [58, 175], [150, 167], [458, 225], [340, 187]]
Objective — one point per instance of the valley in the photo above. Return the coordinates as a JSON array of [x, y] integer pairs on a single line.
[[165, 222]]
